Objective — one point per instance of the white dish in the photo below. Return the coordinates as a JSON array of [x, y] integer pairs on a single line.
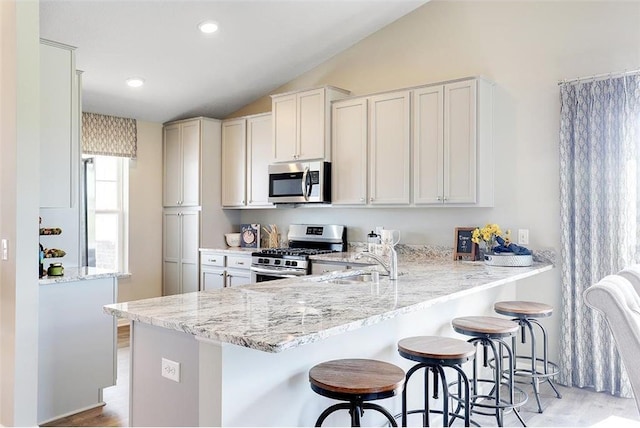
[[233, 239]]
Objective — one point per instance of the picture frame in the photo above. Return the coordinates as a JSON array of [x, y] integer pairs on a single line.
[[250, 236], [463, 247]]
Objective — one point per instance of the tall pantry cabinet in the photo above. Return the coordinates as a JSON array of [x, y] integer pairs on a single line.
[[191, 177]]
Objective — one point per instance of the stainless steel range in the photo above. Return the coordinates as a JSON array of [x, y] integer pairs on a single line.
[[304, 240]]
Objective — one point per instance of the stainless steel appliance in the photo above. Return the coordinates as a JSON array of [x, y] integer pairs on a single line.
[[300, 182], [304, 240]]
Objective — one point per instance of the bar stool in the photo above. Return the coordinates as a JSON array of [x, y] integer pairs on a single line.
[[356, 381], [433, 354], [489, 332], [525, 314]]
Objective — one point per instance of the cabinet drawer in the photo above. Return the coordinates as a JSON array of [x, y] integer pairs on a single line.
[[239, 262], [212, 259]]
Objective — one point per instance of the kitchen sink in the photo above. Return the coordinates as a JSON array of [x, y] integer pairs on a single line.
[[355, 279]]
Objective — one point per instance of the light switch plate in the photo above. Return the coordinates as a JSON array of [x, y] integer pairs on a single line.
[[5, 249]]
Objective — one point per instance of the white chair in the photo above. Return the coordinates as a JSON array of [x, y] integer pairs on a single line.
[[632, 273], [615, 298]]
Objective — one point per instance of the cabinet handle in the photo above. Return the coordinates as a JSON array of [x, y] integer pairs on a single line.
[[370, 199], [361, 199], [213, 260], [221, 274], [444, 198], [240, 263]]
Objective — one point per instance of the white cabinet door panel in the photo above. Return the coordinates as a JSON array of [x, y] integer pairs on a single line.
[[460, 142], [172, 177], [212, 279], [349, 149], [170, 278], [389, 127], [191, 163], [311, 124], [284, 128], [172, 236], [259, 156], [233, 162], [428, 149]]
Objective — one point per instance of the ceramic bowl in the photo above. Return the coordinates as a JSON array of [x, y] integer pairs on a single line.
[[233, 239]]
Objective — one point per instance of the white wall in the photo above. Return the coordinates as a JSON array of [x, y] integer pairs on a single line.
[[145, 217], [526, 48], [19, 200]]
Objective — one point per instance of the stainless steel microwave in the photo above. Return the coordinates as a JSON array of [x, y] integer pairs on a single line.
[[300, 182]]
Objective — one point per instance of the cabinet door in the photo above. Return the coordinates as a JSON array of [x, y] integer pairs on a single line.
[[211, 279], [259, 151], [190, 224], [311, 124], [233, 162], [284, 128], [428, 145], [172, 166], [190, 164], [389, 125], [349, 151], [238, 277], [171, 238], [460, 142], [57, 130]]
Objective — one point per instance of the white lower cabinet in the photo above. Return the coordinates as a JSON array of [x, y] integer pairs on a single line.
[[76, 346], [219, 270], [181, 231]]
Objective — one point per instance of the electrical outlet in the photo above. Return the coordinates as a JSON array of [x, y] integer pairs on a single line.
[[171, 370], [523, 236], [5, 249]]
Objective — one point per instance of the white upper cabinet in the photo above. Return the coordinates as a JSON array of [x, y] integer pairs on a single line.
[[234, 161], [59, 126], [389, 149], [181, 151], [246, 155], [452, 144], [301, 124], [259, 152], [349, 146]]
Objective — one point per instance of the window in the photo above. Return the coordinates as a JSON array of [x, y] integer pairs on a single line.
[[107, 212]]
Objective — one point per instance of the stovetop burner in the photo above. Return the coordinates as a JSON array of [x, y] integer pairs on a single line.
[[300, 252]]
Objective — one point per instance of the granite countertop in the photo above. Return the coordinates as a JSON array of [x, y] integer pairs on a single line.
[[277, 315], [81, 273], [232, 250]]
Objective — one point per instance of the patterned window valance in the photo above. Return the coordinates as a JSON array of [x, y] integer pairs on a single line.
[[108, 135]]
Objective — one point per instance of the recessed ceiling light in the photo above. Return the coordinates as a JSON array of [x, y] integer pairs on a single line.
[[208, 27], [135, 82]]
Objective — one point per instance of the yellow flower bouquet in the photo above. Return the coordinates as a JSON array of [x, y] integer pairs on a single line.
[[489, 235]]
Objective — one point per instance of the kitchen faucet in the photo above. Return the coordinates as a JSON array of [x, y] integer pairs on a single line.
[[391, 268]]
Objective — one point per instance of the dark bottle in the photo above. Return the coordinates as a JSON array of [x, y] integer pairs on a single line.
[[41, 267]]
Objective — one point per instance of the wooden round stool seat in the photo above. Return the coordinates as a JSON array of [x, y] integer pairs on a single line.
[[523, 309], [436, 349], [433, 354], [480, 326], [356, 381]]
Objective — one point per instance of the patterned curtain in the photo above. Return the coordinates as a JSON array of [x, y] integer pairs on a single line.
[[599, 208], [108, 135]]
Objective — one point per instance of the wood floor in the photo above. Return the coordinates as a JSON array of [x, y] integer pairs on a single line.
[[577, 408]]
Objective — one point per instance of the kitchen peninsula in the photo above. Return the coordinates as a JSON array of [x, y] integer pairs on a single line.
[[244, 353]]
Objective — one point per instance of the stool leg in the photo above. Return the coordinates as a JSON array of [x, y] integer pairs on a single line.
[[445, 394], [511, 362], [545, 356], [385, 412], [534, 363], [425, 415], [331, 409], [411, 371], [356, 412], [462, 378]]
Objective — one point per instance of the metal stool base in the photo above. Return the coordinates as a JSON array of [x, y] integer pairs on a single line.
[[356, 410]]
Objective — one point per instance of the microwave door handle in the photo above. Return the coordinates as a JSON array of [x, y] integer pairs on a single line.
[[305, 185]]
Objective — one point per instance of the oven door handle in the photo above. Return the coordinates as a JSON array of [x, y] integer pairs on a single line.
[[276, 272]]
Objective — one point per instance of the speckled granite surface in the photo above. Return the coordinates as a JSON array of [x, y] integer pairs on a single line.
[[232, 250], [81, 273], [277, 315]]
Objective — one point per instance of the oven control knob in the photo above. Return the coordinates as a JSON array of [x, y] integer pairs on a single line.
[[294, 263], [287, 263], [276, 262]]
